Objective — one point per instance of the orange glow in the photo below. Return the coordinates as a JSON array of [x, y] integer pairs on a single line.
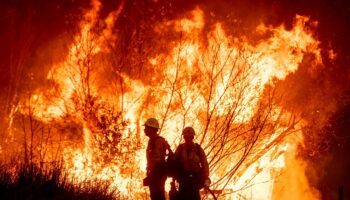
[[199, 85]]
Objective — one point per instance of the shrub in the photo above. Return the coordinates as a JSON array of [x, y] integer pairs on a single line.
[[30, 182]]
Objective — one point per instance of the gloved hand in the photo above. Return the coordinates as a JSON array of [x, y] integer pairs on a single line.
[[207, 183]]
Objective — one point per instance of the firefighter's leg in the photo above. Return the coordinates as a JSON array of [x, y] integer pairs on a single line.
[[156, 187], [188, 190]]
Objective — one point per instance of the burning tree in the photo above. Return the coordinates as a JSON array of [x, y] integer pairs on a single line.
[[223, 86]]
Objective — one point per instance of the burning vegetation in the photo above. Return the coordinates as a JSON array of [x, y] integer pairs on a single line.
[[85, 111]]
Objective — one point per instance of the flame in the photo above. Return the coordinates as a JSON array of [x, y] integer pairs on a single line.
[[196, 79], [294, 178]]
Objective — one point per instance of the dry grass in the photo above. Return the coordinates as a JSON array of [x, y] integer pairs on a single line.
[[30, 182]]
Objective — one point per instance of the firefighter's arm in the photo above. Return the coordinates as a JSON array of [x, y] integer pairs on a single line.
[[177, 153], [204, 162], [178, 167], [205, 167]]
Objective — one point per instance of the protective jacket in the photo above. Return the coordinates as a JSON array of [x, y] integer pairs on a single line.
[[192, 160], [156, 152]]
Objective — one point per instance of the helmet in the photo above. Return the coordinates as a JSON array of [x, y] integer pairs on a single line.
[[188, 131], [151, 122]]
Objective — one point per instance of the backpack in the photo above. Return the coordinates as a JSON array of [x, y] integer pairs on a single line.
[[170, 162], [169, 167]]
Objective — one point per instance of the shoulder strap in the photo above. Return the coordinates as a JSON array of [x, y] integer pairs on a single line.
[[197, 148]]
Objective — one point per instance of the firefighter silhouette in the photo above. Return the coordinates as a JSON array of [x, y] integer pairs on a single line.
[[156, 152], [193, 173]]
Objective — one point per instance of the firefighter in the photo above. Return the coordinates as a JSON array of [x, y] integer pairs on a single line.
[[156, 152], [193, 167]]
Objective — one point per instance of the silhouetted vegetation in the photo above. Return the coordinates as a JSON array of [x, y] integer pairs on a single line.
[[32, 182]]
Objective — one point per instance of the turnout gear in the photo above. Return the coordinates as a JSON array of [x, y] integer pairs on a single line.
[[193, 161], [193, 170], [156, 175], [157, 158], [156, 153]]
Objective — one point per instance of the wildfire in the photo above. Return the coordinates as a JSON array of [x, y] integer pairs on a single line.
[[218, 86]]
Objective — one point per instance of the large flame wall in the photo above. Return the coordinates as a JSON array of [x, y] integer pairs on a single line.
[[191, 72]]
